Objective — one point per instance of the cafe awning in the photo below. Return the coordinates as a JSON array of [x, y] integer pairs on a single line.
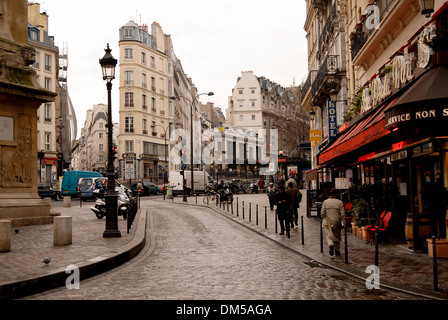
[[426, 98], [367, 130]]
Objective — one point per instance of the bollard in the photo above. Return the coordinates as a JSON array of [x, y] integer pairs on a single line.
[[256, 212], [434, 264], [237, 207], [232, 208], [376, 246], [265, 218], [196, 198], [80, 202], [303, 235], [62, 230], [250, 212], [243, 209], [346, 245], [5, 235], [227, 207], [67, 202], [276, 219]]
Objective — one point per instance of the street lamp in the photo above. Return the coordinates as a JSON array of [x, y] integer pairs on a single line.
[[108, 63]]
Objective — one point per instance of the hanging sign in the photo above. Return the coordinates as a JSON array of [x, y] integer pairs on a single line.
[[332, 125]]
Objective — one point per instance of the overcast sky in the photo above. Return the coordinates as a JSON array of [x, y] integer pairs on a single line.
[[214, 39]]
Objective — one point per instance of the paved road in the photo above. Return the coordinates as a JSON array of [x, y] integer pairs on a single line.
[[197, 254]]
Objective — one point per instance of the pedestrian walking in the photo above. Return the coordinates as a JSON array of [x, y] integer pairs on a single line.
[[294, 205], [291, 180], [333, 219], [270, 191], [282, 200]]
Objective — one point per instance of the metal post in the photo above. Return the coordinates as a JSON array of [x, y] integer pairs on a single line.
[[346, 245], [237, 207], [276, 220], [196, 199], [250, 212], [303, 235], [243, 209], [376, 246], [257, 215], [434, 261], [232, 208], [265, 217]]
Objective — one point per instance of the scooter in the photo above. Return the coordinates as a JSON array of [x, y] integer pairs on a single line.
[[123, 203], [253, 188], [226, 195]]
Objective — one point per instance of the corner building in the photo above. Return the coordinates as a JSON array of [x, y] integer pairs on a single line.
[[144, 102]]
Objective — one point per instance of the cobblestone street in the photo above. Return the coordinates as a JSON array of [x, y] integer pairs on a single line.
[[196, 253]]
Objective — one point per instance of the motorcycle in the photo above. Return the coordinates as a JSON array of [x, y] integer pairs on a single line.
[[226, 195], [123, 202], [253, 188]]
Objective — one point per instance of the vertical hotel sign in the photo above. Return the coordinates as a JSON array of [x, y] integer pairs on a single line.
[[332, 125]]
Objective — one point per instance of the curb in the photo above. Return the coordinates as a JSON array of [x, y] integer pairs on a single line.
[[354, 274], [87, 268]]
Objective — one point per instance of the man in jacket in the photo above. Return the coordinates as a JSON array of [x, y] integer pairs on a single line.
[[333, 218], [282, 200], [293, 214]]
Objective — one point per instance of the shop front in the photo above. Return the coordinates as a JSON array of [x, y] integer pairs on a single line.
[[400, 144]]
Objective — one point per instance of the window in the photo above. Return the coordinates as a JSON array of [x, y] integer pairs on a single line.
[[144, 85], [143, 57], [47, 62], [153, 84], [47, 84], [129, 145], [128, 77], [128, 53], [144, 121], [129, 99], [101, 135], [253, 117], [101, 125], [241, 117], [153, 62], [128, 33], [47, 111], [253, 103], [144, 102], [47, 141], [252, 91], [36, 63], [240, 91], [153, 104], [101, 159], [129, 125], [34, 35], [101, 148]]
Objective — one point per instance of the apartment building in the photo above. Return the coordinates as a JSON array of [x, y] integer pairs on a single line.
[[259, 103], [144, 102], [48, 115]]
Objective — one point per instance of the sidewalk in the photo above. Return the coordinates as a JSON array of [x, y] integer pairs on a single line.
[[22, 271], [400, 268]]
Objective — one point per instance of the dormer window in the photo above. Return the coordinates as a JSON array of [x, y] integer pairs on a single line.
[[128, 33]]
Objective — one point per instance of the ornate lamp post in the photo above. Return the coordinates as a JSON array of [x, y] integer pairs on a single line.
[[108, 63]]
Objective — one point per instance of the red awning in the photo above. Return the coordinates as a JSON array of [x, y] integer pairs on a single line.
[[369, 129]]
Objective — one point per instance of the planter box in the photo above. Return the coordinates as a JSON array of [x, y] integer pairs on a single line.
[[441, 248]]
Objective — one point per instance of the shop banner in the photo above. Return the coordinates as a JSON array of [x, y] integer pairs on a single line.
[[332, 125]]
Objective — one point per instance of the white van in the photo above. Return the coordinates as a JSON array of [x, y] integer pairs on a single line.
[[201, 180]]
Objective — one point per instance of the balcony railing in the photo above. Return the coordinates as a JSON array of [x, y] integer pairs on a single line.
[[362, 33], [328, 24]]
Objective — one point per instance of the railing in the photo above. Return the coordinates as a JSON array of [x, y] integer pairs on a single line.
[[330, 19], [363, 33]]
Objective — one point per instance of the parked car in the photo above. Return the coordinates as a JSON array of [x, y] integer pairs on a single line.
[[46, 191], [148, 188], [71, 180]]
